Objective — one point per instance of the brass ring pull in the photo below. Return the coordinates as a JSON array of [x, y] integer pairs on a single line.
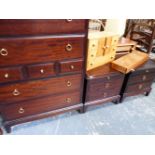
[[69, 84], [72, 66], [69, 47], [4, 52], [144, 78], [69, 20], [140, 86], [21, 110], [6, 75], [108, 77], [68, 100], [104, 94], [42, 71], [16, 92], [107, 85]]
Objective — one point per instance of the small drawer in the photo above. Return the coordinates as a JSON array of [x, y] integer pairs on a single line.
[[32, 107], [28, 50], [141, 78], [71, 66], [41, 70], [10, 74], [96, 95], [138, 87], [39, 88]]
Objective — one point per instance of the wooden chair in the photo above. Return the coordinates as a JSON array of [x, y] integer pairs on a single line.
[[143, 32]]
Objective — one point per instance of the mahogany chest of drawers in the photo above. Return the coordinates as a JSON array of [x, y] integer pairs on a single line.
[[139, 81], [103, 84], [42, 65]]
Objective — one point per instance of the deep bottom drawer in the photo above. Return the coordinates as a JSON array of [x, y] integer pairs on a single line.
[[42, 105]]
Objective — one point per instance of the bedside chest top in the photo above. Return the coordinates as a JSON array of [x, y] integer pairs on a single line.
[[150, 64], [102, 71]]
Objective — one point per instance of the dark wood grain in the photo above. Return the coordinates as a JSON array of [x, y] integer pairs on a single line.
[[104, 84], [15, 27], [41, 70], [40, 49], [10, 74], [71, 66], [39, 88], [40, 105]]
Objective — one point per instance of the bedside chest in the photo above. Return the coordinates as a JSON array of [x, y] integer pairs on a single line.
[[42, 67], [139, 81], [103, 84]]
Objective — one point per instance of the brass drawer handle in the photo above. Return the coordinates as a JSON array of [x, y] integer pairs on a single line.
[[147, 71], [6, 75], [68, 100], [69, 47], [107, 85], [69, 84], [69, 20], [104, 94], [108, 77], [140, 86], [72, 67], [21, 110], [16, 92], [4, 52], [144, 77], [42, 71]]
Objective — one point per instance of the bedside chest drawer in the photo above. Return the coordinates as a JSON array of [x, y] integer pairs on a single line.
[[10, 74], [41, 70], [37, 106], [15, 51], [138, 87], [38, 88], [71, 66], [15, 27], [141, 78]]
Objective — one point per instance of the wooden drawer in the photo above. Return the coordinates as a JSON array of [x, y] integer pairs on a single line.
[[41, 105], [20, 27], [138, 87], [41, 70], [101, 94], [71, 66], [10, 74], [15, 51], [39, 88], [138, 78]]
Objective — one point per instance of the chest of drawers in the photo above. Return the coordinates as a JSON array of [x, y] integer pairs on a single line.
[[103, 84], [139, 81], [42, 65]]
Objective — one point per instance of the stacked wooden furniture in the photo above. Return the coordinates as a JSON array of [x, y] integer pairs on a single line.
[[103, 84], [139, 81], [41, 68], [125, 46]]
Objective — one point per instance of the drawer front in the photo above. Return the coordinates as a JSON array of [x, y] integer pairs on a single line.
[[138, 87], [10, 74], [41, 27], [41, 70], [124, 48], [39, 88], [41, 105], [71, 66], [17, 51], [141, 77], [144, 71], [101, 94]]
